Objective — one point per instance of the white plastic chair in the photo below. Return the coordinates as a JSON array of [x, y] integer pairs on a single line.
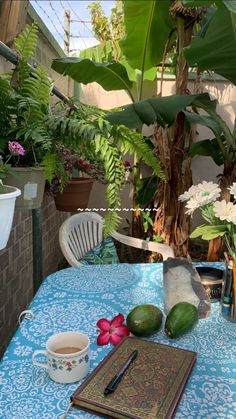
[[83, 231]]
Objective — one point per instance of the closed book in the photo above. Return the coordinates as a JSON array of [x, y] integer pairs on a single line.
[[151, 387]]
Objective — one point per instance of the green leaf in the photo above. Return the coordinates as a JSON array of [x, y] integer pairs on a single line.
[[209, 232], [207, 121], [160, 109], [217, 49], [149, 74], [147, 26], [197, 3], [146, 189], [25, 44], [98, 53], [111, 76], [231, 5], [207, 148]]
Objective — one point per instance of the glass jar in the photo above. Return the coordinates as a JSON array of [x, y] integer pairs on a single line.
[[228, 298]]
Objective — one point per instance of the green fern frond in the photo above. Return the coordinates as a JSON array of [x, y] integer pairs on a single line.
[[25, 43], [40, 136], [38, 87], [5, 87], [135, 143], [50, 165], [112, 220], [7, 106]]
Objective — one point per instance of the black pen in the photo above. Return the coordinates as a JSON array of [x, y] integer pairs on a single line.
[[117, 378]]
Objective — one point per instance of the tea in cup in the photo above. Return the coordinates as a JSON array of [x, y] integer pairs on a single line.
[[67, 356]]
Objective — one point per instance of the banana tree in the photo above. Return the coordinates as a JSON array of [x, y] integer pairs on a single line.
[[144, 49]]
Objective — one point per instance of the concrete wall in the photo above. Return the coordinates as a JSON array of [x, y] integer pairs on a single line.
[[16, 268]]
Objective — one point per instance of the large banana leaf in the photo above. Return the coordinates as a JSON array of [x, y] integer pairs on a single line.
[[205, 120], [147, 26], [217, 49], [209, 148], [160, 109], [104, 55], [111, 76], [230, 4], [197, 3]]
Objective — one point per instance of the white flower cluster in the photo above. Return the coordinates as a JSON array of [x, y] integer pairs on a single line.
[[207, 193]]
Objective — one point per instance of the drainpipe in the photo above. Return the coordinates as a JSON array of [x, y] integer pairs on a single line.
[[37, 248]]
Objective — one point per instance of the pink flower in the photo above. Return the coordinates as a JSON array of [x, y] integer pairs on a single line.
[[87, 166], [112, 331], [15, 148], [127, 163], [69, 364], [81, 161]]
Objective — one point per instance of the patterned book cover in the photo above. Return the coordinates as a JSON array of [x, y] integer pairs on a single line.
[[150, 388]]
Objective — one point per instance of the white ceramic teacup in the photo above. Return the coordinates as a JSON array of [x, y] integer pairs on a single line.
[[67, 356]]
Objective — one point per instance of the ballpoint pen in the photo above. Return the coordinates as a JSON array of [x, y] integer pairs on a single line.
[[117, 378]]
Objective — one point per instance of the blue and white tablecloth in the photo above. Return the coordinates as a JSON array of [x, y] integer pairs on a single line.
[[74, 299]]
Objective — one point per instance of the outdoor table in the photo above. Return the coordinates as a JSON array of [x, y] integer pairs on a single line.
[[75, 299]]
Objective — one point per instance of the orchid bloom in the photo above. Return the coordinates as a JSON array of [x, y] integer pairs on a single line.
[[112, 331]]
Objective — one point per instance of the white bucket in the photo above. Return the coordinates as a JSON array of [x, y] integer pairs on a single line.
[[7, 207]]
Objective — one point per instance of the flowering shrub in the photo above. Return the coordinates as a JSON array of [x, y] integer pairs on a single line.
[[15, 151], [80, 165], [219, 214]]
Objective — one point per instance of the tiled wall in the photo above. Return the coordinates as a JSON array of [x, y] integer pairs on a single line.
[[16, 264]]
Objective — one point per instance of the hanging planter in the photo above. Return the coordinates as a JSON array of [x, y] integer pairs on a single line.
[[7, 207], [31, 182], [75, 195]]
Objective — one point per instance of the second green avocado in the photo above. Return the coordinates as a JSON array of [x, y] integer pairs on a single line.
[[181, 319]]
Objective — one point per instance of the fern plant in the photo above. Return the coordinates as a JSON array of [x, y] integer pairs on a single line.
[[26, 98]]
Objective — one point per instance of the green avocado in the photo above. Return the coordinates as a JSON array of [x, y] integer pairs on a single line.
[[181, 319], [144, 320]]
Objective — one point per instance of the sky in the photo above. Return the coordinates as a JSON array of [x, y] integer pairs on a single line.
[[52, 13]]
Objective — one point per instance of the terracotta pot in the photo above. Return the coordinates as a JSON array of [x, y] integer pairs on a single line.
[[75, 195], [31, 182]]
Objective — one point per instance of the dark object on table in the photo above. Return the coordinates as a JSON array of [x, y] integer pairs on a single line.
[[151, 387], [113, 384], [211, 279]]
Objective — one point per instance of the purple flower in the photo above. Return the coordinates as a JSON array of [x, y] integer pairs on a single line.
[[16, 148]]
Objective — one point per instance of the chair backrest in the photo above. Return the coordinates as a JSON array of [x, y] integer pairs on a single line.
[[83, 231], [79, 234]]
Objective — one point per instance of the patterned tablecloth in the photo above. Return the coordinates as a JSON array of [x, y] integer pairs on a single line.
[[74, 299]]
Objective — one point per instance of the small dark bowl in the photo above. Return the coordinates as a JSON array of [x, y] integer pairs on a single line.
[[211, 279]]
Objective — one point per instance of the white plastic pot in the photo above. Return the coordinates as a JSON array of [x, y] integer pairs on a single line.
[[7, 207]]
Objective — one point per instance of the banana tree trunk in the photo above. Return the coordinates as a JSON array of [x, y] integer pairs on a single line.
[[171, 221]]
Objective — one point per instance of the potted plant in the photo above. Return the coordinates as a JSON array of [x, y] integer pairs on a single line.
[[25, 96], [71, 190], [71, 187], [8, 194]]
